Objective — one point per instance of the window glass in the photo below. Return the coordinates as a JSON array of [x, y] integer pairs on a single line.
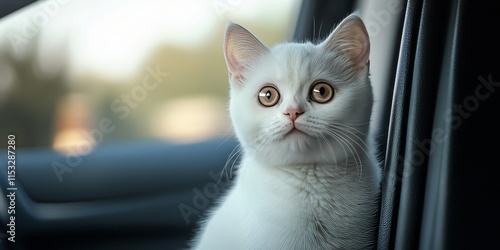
[[76, 74]]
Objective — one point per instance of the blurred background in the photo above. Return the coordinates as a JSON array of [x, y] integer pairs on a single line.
[[76, 74]]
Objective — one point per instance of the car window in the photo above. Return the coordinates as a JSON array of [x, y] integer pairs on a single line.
[[76, 74]]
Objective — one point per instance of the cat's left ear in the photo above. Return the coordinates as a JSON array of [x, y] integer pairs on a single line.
[[241, 50], [350, 39]]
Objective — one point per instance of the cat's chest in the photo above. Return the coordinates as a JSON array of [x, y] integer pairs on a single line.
[[309, 206], [308, 192], [296, 212]]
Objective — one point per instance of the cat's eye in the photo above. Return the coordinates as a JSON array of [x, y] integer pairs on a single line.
[[322, 92], [269, 96]]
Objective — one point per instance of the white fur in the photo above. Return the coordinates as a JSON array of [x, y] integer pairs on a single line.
[[315, 189]]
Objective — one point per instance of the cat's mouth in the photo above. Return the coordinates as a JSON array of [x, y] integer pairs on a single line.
[[294, 132]]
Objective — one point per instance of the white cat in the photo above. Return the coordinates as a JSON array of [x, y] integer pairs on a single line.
[[308, 178]]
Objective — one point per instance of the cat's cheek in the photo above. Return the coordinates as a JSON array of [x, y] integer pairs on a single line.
[[241, 119]]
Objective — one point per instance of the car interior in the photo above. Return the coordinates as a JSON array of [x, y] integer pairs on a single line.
[[435, 69]]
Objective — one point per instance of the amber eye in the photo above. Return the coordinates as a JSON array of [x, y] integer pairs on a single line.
[[322, 92], [269, 96]]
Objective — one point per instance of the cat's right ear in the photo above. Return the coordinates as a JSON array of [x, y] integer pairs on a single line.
[[241, 50]]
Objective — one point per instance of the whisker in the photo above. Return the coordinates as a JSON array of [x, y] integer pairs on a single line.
[[350, 127], [357, 158], [231, 159], [350, 146], [322, 139], [341, 142], [363, 146]]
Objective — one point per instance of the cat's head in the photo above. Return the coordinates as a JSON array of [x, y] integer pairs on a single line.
[[300, 102]]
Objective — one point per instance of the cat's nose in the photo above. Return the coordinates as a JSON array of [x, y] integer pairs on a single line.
[[293, 113]]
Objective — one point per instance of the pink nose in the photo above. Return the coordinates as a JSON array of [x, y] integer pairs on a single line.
[[293, 113]]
